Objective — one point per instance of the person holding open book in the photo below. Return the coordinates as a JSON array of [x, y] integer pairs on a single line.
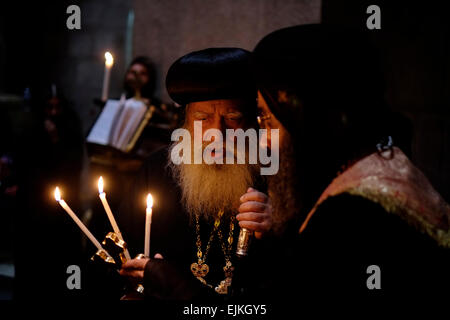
[[122, 121]]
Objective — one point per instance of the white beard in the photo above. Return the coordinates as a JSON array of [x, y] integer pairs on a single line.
[[207, 189]]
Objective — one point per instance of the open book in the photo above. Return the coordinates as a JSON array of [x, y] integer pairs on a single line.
[[120, 123]]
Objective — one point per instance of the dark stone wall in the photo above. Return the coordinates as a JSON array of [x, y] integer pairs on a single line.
[[103, 29], [37, 49], [166, 30]]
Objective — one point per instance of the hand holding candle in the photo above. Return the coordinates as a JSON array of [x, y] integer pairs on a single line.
[[148, 223], [109, 61]]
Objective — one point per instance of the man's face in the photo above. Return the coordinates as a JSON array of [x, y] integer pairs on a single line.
[[267, 120], [206, 188], [281, 187], [217, 114], [137, 76]]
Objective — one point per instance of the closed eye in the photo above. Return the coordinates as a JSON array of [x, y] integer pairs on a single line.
[[234, 116], [200, 116]]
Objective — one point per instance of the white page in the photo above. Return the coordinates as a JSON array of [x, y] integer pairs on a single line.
[[100, 132], [113, 135], [129, 121], [120, 126]]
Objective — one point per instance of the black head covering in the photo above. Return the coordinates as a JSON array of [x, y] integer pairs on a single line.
[[210, 74], [324, 84], [319, 67]]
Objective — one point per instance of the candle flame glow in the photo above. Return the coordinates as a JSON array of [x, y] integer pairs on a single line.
[[149, 201], [100, 184], [109, 59], [57, 194]]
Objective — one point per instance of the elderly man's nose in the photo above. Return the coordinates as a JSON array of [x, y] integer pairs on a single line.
[[219, 124]]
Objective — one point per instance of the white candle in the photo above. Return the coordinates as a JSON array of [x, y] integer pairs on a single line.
[[148, 224], [80, 224], [110, 215], [109, 61]]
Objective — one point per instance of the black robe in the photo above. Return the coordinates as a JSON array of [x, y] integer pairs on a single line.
[[330, 259], [173, 236]]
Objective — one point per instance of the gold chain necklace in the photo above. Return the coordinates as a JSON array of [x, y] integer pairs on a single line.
[[200, 269]]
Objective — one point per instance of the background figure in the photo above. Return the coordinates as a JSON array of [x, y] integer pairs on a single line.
[[139, 83], [140, 78], [50, 155]]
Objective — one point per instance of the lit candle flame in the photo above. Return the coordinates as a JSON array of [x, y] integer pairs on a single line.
[[57, 194], [149, 201], [100, 185], [109, 59]]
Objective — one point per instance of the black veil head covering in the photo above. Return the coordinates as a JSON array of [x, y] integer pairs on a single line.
[[327, 68], [211, 74], [324, 83]]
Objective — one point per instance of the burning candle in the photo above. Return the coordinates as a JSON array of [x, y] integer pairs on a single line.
[[80, 224], [148, 224], [109, 213], [109, 61]]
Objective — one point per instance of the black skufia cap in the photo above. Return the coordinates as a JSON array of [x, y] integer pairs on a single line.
[[211, 74]]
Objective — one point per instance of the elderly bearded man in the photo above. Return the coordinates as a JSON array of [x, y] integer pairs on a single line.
[[200, 207]]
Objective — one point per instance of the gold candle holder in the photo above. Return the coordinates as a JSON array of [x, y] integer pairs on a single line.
[[116, 247], [245, 237], [101, 257]]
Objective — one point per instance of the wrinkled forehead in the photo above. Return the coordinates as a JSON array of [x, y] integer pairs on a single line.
[[220, 105]]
